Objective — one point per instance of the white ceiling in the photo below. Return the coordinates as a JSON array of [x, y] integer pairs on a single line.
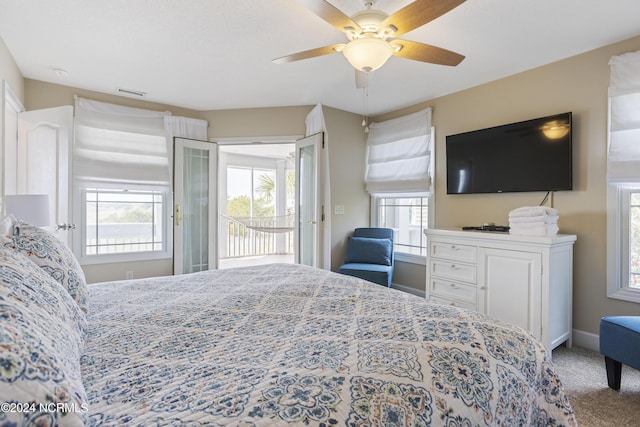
[[217, 54]]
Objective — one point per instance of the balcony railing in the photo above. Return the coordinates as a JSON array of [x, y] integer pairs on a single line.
[[256, 236]]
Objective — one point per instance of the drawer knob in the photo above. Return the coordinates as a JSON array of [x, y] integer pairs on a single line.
[[453, 285]]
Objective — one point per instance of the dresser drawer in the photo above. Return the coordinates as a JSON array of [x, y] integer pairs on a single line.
[[453, 251], [452, 303], [452, 270], [453, 290]]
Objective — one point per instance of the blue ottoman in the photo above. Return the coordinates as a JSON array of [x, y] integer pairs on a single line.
[[620, 344]]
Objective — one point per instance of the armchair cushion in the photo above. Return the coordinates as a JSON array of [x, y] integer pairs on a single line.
[[368, 250]]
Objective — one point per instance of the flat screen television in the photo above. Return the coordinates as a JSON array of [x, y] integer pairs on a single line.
[[533, 155]]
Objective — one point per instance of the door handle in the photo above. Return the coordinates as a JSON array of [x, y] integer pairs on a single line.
[[65, 227], [177, 215]]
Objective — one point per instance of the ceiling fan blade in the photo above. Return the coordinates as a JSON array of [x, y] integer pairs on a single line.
[[426, 53], [331, 14], [312, 53], [417, 14]]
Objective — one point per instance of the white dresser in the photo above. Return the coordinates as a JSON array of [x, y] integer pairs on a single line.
[[524, 280]]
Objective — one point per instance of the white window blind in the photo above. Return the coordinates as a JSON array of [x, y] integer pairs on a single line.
[[624, 118], [119, 144], [399, 155]]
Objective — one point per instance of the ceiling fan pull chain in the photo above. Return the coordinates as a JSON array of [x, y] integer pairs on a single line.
[[365, 103]]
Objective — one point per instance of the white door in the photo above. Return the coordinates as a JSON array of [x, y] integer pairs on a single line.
[[43, 159], [195, 210], [309, 208], [511, 288]]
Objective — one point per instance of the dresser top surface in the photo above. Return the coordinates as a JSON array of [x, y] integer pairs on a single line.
[[500, 236]]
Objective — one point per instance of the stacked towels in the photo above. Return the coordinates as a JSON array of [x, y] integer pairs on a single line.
[[533, 221]]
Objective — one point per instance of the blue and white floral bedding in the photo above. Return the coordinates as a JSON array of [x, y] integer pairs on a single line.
[[288, 344]]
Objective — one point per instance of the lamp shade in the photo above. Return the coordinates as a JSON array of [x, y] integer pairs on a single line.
[[367, 54], [30, 208]]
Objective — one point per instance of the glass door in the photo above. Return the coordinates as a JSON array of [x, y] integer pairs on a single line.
[[309, 214], [195, 206]]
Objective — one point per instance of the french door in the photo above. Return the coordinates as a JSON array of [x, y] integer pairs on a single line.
[[195, 210], [309, 209]]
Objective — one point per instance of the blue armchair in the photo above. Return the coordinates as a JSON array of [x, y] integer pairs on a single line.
[[620, 344], [370, 255]]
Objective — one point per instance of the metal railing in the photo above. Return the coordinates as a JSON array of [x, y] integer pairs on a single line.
[[242, 240]]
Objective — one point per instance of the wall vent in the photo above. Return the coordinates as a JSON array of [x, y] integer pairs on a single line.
[[132, 92]]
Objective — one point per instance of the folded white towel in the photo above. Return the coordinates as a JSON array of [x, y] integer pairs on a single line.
[[528, 211], [528, 224], [545, 219], [546, 230]]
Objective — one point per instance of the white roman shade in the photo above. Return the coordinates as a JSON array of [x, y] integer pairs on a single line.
[[399, 155], [119, 144], [624, 118]]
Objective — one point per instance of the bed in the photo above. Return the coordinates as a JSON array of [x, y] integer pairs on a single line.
[[256, 346]]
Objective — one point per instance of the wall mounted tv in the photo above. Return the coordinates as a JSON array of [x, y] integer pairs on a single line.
[[533, 155]]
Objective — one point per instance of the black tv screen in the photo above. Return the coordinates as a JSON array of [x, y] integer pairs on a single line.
[[533, 155]]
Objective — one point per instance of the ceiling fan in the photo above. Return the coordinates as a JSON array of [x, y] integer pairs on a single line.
[[372, 34]]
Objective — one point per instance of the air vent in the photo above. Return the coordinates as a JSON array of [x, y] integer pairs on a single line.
[[132, 92]]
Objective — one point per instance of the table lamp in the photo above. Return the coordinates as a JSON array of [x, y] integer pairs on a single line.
[[30, 208]]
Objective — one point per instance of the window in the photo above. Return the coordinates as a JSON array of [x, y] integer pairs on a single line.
[[123, 221], [623, 250], [634, 239], [399, 179], [121, 180], [408, 217], [623, 179]]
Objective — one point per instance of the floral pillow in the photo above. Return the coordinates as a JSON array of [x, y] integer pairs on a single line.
[[53, 256], [41, 341]]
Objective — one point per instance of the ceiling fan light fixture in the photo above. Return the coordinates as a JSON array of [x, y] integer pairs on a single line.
[[367, 54]]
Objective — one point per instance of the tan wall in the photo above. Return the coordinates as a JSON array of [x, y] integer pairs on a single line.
[[578, 84], [39, 94], [347, 148], [10, 72]]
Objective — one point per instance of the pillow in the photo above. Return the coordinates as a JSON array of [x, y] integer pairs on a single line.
[[41, 330], [368, 250], [53, 256]]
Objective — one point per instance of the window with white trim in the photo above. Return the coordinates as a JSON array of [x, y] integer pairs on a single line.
[[124, 221], [623, 179], [121, 182], [408, 217], [399, 179]]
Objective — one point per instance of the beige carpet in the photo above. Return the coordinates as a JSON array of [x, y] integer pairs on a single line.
[[584, 377]]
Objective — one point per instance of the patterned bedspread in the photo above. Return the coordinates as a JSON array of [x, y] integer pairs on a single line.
[[288, 344]]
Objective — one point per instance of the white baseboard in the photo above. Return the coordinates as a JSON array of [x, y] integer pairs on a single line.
[[408, 289], [586, 340]]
